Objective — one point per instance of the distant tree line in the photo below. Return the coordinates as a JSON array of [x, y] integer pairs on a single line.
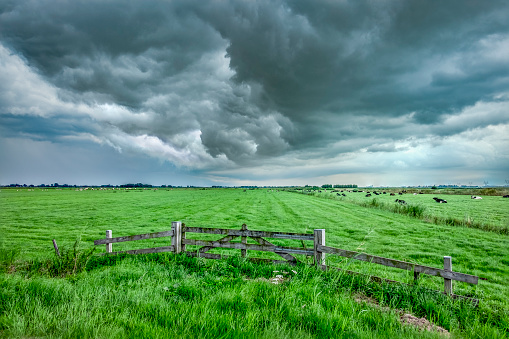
[[329, 186]]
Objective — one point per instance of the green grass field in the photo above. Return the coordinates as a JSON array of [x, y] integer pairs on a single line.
[[491, 210], [30, 219]]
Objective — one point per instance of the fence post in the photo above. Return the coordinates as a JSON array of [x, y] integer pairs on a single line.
[[182, 245], [243, 240], [416, 276], [109, 246], [319, 239], [448, 282], [176, 240], [56, 247]]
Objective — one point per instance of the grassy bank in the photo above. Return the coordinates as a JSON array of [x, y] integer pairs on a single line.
[[173, 296]]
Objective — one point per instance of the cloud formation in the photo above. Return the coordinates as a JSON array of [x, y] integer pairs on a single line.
[[238, 89]]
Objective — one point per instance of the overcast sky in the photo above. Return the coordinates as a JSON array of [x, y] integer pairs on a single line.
[[254, 92]]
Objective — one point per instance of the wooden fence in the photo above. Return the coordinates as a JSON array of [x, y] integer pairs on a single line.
[[319, 250]]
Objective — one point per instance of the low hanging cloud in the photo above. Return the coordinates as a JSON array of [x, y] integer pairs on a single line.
[[222, 86]]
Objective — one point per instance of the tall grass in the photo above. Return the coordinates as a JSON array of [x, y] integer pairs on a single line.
[[416, 211], [70, 261], [174, 296]]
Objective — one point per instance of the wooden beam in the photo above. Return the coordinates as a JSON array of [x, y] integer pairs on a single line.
[[240, 246], [134, 237], [286, 256], [472, 279], [145, 250], [249, 233], [208, 248]]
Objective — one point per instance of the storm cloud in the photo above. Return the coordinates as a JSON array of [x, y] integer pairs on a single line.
[[241, 91]]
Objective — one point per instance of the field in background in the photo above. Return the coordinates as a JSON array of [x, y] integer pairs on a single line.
[[30, 219], [491, 210]]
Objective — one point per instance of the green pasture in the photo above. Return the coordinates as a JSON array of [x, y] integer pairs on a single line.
[[490, 210], [30, 219]]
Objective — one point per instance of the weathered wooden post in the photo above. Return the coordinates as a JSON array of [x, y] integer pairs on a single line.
[[319, 239], [176, 240], [182, 245], [56, 247], [416, 276], [108, 245], [243, 240], [448, 282]]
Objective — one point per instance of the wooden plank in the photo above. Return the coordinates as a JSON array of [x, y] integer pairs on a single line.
[[472, 279], [134, 237], [146, 250], [224, 239], [448, 282], [293, 250], [249, 233], [319, 240], [240, 246], [286, 256]]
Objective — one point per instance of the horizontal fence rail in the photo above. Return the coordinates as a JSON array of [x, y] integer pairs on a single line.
[[240, 246], [134, 237], [472, 279], [319, 250], [248, 233], [148, 250]]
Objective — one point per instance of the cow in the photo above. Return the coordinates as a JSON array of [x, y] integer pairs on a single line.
[[368, 195], [392, 194], [475, 197], [506, 196], [401, 202], [343, 194], [440, 201]]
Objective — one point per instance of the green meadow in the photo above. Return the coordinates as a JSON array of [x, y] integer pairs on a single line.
[[490, 211], [165, 295]]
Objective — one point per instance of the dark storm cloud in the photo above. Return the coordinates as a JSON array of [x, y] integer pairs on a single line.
[[240, 82], [39, 128]]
